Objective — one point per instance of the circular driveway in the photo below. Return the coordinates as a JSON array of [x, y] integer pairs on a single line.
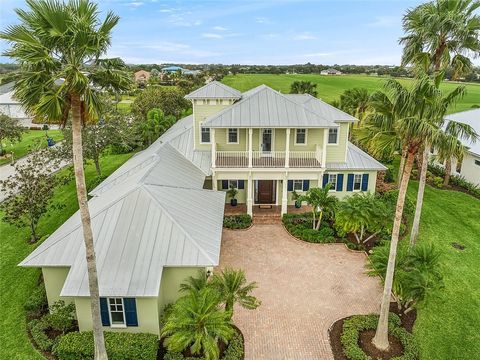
[[303, 287]]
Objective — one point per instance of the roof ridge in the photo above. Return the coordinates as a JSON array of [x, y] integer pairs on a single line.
[[329, 105], [356, 148], [226, 88], [177, 223]]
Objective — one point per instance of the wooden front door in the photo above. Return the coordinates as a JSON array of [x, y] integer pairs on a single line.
[[265, 192]]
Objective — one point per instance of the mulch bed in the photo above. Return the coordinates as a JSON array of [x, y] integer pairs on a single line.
[[396, 348]]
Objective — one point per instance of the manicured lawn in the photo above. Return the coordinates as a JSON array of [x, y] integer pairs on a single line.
[[29, 138], [330, 87], [448, 327], [15, 282]]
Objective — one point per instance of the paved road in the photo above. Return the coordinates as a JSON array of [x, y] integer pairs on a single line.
[[304, 288]]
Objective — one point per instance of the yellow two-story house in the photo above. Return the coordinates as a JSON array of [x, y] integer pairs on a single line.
[[268, 144]]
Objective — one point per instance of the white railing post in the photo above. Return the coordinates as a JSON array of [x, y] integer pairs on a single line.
[[250, 194], [284, 194], [214, 147], [323, 163], [250, 147], [287, 148]]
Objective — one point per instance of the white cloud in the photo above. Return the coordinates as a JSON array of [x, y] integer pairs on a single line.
[[385, 21], [212, 36], [263, 20], [219, 28], [135, 4], [304, 36]]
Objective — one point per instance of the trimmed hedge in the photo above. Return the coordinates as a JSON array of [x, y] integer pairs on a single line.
[[300, 226], [358, 323], [37, 329], [234, 351], [241, 221], [120, 346]]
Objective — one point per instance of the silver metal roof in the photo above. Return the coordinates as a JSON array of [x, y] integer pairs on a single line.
[[472, 118], [265, 107], [215, 90], [321, 107], [357, 159]]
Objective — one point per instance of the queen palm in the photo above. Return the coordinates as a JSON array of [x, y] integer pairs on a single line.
[[59, 47], [356, 102], [321, 201], [440, 34]]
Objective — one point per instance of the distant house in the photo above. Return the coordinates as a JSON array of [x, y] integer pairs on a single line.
[[330, 72], [469, 167], [173, 69], [141, 76], [12, 107]]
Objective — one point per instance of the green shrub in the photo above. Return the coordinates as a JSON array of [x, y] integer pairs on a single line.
[[234, 351], [390, 200], [61, 317], [353, 326], [36, 303], [120, 346], [38, 329], [389, 178], [300, 226], [438, 182], [241, 221]]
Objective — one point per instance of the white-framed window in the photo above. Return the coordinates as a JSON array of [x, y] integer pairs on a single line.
[[357, 182], [234, 183], [332, 179], [301, 137], [333, 136], [298, 185], [477, 162], [116, 311], [232, 136], [204, 135]]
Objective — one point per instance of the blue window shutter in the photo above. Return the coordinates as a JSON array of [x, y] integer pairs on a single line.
[[339, 182], [350, 182], [241, 184], [130, 311], [325, 180], [224, 184], [290, 185], [306, 184], [365, 182], [104, 312]]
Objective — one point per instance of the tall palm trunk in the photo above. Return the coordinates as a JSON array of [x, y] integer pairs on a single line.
[[421, 190], [100, 351], [448, 171], [402, 164], [381, 336]]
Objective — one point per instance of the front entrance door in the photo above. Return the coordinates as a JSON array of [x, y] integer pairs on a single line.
[[266, 192], [267, 141]]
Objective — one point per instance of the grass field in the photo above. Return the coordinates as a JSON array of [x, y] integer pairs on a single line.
[[29, 138], [448, 326], [15, 282], [330, 87]]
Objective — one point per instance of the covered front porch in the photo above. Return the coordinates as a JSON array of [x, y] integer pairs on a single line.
[[259, 210]]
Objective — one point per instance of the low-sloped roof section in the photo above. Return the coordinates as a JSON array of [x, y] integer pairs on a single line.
[[321, 107], [263, 107], [215, 90], [357, 159], [472, 118], [136, 233]]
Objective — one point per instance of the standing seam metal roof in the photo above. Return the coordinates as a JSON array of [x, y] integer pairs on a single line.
[[215, 90]]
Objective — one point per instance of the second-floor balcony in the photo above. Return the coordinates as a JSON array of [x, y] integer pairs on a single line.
[[270, 159]]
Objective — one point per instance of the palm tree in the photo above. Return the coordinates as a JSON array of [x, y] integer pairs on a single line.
[[303, 87], [233, 287], [440, 34], [356, 102], [320, 200], [59, 46], [197, 323], [195, 283]]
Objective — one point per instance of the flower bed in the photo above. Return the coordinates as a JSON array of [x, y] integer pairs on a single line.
[[300, 226], [241, 221]]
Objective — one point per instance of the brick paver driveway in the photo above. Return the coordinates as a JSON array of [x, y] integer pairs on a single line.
[[303, 287]]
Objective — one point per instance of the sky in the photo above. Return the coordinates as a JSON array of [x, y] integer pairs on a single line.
[[250, 32]]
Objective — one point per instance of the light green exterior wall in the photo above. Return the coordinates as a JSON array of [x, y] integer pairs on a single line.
[[242, 193], [171, 280], [337, 153], [372, 181], [221, 140], [54, 278], [147, 315]]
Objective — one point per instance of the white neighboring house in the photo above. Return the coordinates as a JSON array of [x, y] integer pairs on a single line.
[[469, 167], [330, 72], [11, 107]]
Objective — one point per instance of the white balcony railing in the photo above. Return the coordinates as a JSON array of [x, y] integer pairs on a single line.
[[272, 159]]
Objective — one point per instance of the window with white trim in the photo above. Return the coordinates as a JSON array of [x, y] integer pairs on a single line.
[[116, 309], [234, 183], [301, 137], [298, 185], [204, 135], [332, 179], [333, 136], [232, 136], [357, 181]]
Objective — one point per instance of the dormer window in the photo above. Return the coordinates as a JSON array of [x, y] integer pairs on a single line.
[[301, 137], [333, 136], [232, 136], [204, 135]]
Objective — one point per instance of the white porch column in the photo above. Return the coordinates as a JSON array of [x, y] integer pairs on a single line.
[[214, 181], [250, 147], [287, 148], [324, 152], [250, 194], [284, 194], [214, 147]]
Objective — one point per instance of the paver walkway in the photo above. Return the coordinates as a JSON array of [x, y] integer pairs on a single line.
[[303, 287]]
